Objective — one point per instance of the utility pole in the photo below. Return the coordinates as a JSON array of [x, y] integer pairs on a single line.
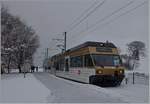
[[65, 40]]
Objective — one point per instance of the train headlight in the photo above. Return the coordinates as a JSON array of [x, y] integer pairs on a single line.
[[100, 72], [121, 71]]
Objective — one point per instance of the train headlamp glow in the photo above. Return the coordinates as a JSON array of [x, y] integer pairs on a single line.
[[121, 71], [99, 72]]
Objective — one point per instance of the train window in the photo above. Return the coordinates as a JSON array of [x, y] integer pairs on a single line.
[[106, 60], [76, 61], [88, 61], [117, 61]]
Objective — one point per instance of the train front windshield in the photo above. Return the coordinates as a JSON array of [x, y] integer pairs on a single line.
[[106, 60]]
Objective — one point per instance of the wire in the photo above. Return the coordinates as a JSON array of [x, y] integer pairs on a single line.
[[108, 16], [87, 15], [141, 4], [83, 14], [121, 15]]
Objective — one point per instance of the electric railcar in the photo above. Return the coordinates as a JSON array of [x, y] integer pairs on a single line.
[[91, 62]]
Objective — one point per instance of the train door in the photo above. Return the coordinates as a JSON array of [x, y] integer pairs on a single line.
[[67, 64]]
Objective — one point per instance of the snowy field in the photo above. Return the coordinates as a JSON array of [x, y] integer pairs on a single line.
[[139, 77], [44, 87]]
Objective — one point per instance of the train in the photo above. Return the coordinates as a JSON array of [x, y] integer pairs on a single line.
[[97, 63]]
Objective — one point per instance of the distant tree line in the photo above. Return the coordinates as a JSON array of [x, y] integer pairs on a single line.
[[136, 50], [18, 41]]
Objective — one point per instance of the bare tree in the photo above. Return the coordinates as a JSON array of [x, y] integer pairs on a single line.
[[19, 41], [6, 29]]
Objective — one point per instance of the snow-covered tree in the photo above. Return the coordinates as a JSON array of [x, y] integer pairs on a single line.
[[19, 41], [136, 50]]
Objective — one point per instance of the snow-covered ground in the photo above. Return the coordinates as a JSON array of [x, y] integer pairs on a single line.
[[17, 89], [66, 91], [40, 69], [139, 77], [136, 93], [49, 88], [129, 93], [44, 87]]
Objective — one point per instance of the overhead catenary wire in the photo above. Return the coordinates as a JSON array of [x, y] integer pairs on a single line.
[[108, 16], [114, 19], [78, 18], [126, 12], [86, 16]]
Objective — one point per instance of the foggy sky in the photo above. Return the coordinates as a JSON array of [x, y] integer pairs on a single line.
[[52, 17]]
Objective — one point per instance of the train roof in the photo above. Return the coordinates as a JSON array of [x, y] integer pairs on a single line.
[[88, 44], [93, 44]]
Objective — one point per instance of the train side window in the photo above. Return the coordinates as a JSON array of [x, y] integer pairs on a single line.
[[76, 61], [71, 62], [88, 61]]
